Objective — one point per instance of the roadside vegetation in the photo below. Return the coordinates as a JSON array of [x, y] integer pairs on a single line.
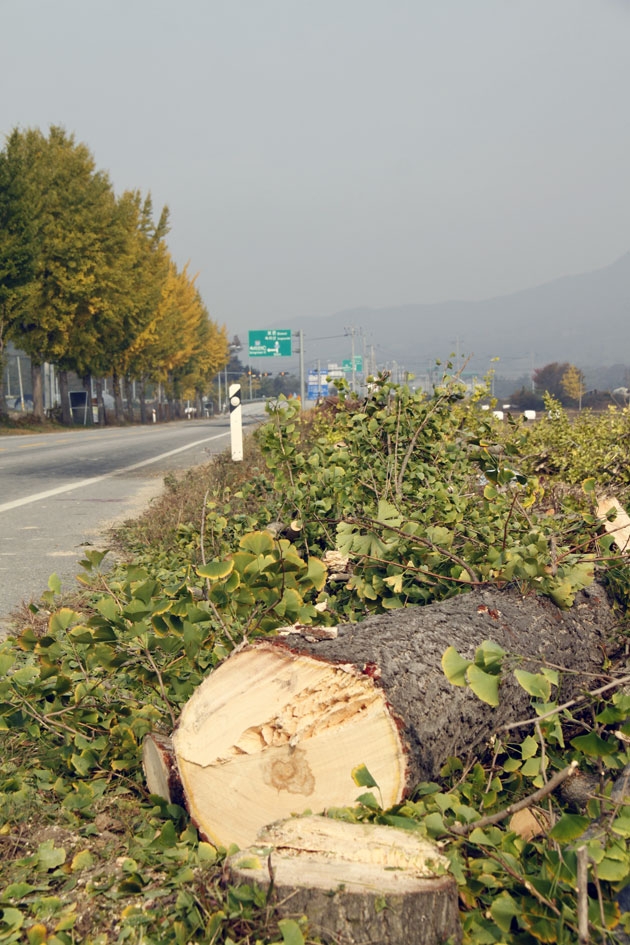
[[422, 498]]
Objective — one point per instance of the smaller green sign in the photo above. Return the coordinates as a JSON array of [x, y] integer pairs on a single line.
[[274, 343], [346, 364]]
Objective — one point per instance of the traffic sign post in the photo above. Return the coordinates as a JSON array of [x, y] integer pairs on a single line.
[[274, 343]]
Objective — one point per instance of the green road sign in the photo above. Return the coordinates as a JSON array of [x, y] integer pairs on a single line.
[[346, 364], [275, 343]]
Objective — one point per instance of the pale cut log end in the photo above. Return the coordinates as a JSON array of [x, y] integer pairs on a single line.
[[271, 733], [160, 768], [356, 883]]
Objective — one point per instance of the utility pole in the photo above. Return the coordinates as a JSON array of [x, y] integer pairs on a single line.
[[351, 331], [300, 335], [302, 382]]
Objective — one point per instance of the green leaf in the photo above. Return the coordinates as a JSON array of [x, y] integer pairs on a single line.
[[531, 767], [82, 860], [49, 856], [593, 745], [215, 570], [368, 800], [108, 607], [388, 514], [454, 666], [613, 870], [503, 910], [62, 619], [17, 890], [621, 825], [588, 485], [291, 932], [206, 853], [7, 659], [485, 686], [489, 657], [317, 573], [482, 837], [529, 747], [569, 827], [563, 594], [535, 684], [362, 777], [249, 862], [258, 543]]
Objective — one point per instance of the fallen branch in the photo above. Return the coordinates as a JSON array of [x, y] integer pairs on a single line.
[[462, 830], [566, 705]]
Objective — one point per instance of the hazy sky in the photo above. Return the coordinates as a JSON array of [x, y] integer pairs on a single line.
[[327, 154]]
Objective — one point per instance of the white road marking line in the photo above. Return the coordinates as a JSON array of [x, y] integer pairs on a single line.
[[27, 500]]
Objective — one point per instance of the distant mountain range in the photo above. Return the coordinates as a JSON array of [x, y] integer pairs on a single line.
[[583, 319]]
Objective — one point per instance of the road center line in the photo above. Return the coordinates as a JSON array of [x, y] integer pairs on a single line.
[[69, 487]]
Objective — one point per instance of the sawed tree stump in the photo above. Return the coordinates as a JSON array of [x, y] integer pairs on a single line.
[[356, 883]]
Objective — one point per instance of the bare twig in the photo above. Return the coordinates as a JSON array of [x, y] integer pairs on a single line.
[[202, 532], [157, 672], [211, 603], [566, 705], [419, 540], [526, 883], [462, 830], [412, 443], [543, 753], [582, 894], [507, 522], [600, 900]]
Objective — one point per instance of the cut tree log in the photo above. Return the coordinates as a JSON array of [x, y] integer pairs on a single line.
[[272, 732], [356, 883], [279, 727]]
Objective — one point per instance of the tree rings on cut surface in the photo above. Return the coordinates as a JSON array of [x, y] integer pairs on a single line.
[[272, 732]]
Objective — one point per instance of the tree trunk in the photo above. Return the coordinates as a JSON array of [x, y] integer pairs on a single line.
[[87, 387], [66, 413], [4, 412], [142, 394], [280, 726], [102, 415], [118, 401], [128, 387], [38, 390]]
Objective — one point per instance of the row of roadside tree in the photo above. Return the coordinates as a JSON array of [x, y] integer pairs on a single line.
[[87, 282]]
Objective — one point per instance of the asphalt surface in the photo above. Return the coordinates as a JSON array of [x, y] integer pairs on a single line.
[[60, 494]]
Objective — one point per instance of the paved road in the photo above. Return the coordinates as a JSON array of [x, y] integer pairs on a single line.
[[61, 491]]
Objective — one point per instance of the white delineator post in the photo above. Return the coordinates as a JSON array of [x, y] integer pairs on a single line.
[[236, 422]]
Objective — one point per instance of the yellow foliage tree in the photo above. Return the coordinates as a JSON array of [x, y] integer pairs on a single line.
[[573, 384], [181, 347]]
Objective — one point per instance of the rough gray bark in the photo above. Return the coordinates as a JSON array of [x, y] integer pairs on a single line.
[[404, 650]]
